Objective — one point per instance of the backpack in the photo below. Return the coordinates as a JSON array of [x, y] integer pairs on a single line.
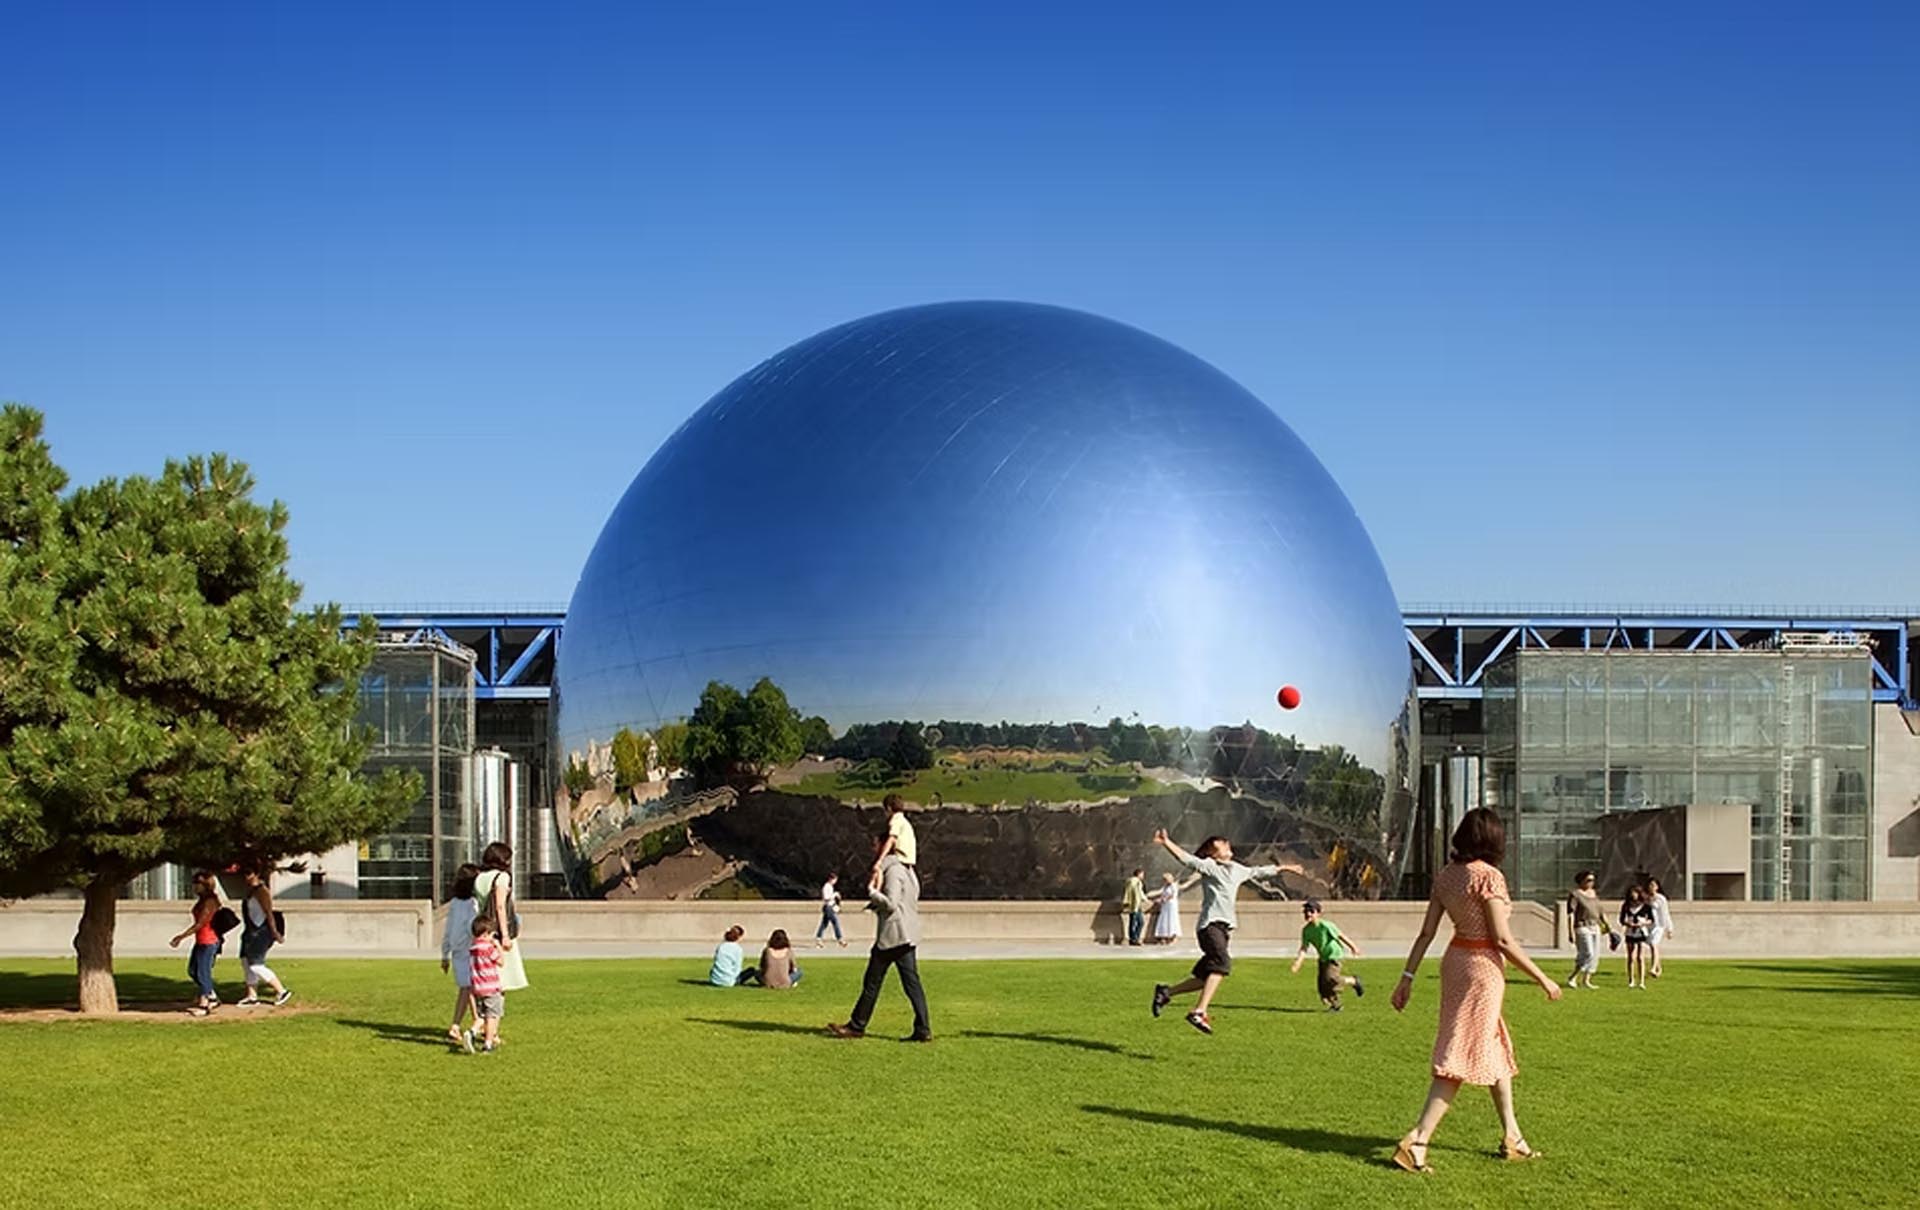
[[512, 922]]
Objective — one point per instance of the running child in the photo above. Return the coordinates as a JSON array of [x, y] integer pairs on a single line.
[[489, 1002], [1220, 879], [1324, 938]]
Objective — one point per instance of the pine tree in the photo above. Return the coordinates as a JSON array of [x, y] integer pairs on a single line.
[[161, 698]]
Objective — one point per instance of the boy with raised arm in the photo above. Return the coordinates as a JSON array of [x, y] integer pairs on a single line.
[[1220, 879]]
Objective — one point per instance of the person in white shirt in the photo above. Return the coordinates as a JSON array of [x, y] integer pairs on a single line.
[[1662, 923], [829, 912], [456, 946]]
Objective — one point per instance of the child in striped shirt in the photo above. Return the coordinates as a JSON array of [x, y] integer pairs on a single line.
[[489, 1003]]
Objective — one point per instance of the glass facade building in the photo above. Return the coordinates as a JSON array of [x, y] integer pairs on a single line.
[[416, 698], [1730, 774]]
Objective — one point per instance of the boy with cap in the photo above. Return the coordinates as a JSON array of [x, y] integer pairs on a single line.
[[1324, 938]]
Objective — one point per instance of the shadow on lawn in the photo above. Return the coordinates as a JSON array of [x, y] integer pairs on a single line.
[[1264, 1008], [1105, 1048], [62, 990], [1903, 980], [391, 1031], [762, 1027], [1363, 1148]]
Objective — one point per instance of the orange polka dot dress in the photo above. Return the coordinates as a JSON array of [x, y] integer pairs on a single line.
[[1473, 1045]]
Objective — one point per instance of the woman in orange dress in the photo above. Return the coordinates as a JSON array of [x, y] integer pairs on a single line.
[[1473, 1046]]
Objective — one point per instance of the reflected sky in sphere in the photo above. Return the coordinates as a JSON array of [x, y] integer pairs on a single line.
[[988, 511]]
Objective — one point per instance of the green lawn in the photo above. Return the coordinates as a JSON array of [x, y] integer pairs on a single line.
[[627, 1083], [1010, 784]]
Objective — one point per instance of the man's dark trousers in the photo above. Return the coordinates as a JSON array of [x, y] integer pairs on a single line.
[[878, 960]]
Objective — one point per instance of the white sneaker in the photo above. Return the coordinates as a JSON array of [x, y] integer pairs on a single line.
[[466, 1041]]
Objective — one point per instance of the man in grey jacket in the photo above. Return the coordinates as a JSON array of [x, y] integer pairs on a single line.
[[894, 894]]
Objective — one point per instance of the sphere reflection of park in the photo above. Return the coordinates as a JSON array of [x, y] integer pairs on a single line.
[[1037, 572]]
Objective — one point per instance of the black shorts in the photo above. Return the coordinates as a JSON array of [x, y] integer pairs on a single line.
[[1329, 980], [1214, 959]]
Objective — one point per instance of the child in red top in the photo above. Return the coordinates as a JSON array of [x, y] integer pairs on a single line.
[[489, 1003]]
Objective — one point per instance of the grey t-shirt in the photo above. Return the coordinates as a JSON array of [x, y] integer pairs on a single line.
[[1220, 885]]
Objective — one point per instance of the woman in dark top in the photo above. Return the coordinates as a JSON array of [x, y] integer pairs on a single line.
[[206, 942], [1636, 921]]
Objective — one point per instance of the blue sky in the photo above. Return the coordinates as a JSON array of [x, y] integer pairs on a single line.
[[1577, 305]]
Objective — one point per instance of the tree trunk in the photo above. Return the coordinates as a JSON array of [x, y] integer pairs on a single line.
[[93, 948]]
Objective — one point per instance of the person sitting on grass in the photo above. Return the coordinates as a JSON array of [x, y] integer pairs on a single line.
[[489, 1001], [727, 960], [1220, 879], [1323, 937], [777, 967]]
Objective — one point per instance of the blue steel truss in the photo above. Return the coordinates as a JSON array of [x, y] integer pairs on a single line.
[[515, 650], [1451, 652]]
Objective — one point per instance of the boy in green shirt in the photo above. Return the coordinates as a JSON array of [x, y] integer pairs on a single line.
[[1323, 937]]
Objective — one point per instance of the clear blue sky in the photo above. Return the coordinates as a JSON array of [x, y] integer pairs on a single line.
[[1578, 305]]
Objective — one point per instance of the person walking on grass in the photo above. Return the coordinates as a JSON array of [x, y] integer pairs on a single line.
[[1662, 923], [1587, 921], [1133, 903], [456, 946], [830, 912], [493, 891], [1323, 938], [1636, 921], [1472, 1045], [489, 1002], [259, 932], [1220, 879], [893, 894], [206, 943]]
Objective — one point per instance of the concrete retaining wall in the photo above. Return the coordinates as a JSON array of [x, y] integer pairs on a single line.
[[353, 928], [372, 928]]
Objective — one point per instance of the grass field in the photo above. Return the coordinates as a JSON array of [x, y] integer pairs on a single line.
[[629, 1083], [989, 786]]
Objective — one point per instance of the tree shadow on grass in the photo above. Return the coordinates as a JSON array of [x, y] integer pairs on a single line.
[[1088, 1044], [1890, 980], [1360, 1148], [762, 1027], [391, 1031], [62, 990]]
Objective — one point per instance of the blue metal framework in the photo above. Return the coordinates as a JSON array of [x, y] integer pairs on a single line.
[[515, 649], [1451, 651]]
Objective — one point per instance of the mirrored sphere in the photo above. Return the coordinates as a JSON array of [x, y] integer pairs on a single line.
[[1038, 573]]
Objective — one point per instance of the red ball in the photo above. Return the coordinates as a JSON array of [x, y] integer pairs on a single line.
[[1289, 697]]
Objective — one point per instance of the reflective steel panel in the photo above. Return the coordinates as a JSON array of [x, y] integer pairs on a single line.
[[1039, 573]]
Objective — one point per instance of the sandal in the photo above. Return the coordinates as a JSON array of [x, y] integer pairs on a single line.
[[1404, 1156], [1515, 1150]]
